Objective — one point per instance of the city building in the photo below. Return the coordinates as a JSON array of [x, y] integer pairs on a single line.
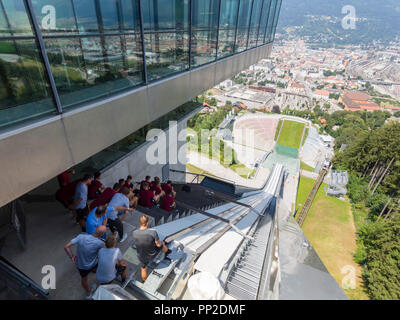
[[321, 94], [355, 101]]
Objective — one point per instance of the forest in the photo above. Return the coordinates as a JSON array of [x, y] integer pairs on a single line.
[[372, 157]]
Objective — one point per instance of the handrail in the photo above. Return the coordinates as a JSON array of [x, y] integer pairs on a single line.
[[218, 196], [189, 207], [203, 175]]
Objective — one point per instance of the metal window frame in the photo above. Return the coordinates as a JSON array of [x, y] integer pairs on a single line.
[[259, 22], [145, 77], [236, 28], [277, 14], [266, 25], [266, 30], [248, 31], [218, 21], [39, 37]]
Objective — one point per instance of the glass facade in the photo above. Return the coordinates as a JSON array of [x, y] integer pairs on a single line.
[[56, 54]]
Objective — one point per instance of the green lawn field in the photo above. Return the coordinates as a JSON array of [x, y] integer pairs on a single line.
[[291, 134], [305, 166], [329, 227]]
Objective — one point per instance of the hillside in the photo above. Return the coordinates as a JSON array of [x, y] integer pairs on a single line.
[[320, 21]]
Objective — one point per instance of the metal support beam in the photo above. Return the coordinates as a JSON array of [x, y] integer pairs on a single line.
[[145, 78], [219, 18], [248, 31], [190, 34], [42, 48], [236, 29]]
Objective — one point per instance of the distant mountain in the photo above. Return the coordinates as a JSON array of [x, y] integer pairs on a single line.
[[320, 21]]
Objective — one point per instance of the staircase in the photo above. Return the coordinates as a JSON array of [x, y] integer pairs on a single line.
[[244, 280], [310, 198], [197, 197]]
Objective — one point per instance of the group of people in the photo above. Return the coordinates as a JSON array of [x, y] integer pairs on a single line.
[[83, 196], [95, 207]]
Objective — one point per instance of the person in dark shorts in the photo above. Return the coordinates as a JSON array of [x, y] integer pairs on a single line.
[[114, 221], [88, 246], [79, 207], [148, 245], [110, 263]]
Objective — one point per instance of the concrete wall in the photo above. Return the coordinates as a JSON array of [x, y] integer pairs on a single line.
[[137, 165], [35, 153]]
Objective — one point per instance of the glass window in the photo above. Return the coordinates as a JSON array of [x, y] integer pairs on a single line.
[[88, 15], [263, 22], [166, 53], [166, 28], [14, 13], [92, 67], [254, 23], [204, 31], [55, 16], [270, 21], [4, 30], [243, 25], [278, 5], [110, 18], [227, 27], [258, 9], [24, 90], [165, 15], [130, 14]]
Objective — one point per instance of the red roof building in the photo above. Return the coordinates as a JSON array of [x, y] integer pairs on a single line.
[[356, 101]]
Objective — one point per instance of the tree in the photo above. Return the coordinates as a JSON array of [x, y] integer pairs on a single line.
[[381, 244], [276, 109]]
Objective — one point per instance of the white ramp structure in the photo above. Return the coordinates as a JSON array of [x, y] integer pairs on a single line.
[[210, 241]]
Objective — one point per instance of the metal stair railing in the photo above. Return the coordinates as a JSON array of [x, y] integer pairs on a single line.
[[226, 199], [184, 205], [310, 198]]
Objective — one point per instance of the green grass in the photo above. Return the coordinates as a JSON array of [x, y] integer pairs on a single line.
[[193, 169], [329, 227], [242, 170], [304, 166], [291, 134], [278, 128]]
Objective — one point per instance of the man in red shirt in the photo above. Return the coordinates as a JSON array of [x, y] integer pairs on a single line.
[[63, 178], [156, 187], [146, 196], [146, 180], [96, 187], [65, 194], [105, 197], [121, 184], [168, 187], [168, 202], [128, 182]]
